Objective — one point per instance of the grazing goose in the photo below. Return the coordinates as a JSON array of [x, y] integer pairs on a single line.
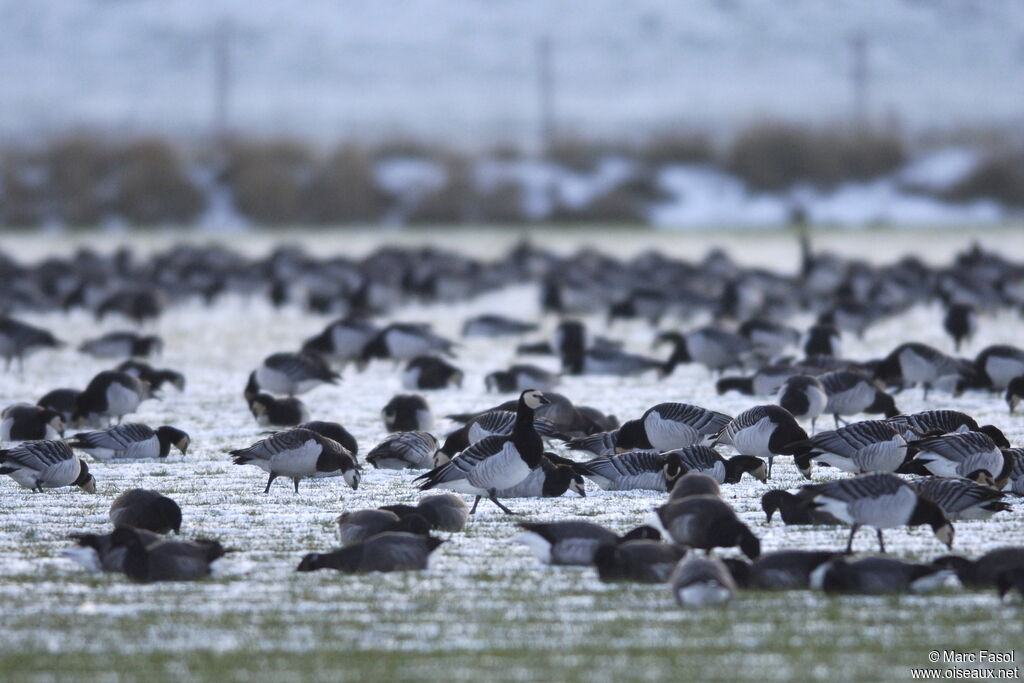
[[293, 373], [123, 344], [145, 509], [430, 372], [131, 440], [341, 341], [982, 572], [333, 430], [780, 570], [407, 413], [766, 381], [998, 365], [97, 553], [18, 339], [768, 339], [643, 561], [165, 560], [1014, 393], [109, 395], [713, 348], [402, 341], [851, 393], [913, 363], [39, 465], [278, 412], [858, 448], [665, 427], [404, 450], [298, 454], [572, 542], [702, 581], [804, 397], [1015, 458], [391, 551], [877, 576], [554, 477], [633, 470], [708, 461], [26, 422], [695, 484], [822, 340], [154, 377], [606, 361], [961, 498], [519, 378], [494, 423], [444, 512], [496, 462], [960, 322], [961, 454], [492, 325], [63, 401], [564, 417], [794, 508], [359, 525], [705, 522], [933, 423], [880, 500], [763, 432]]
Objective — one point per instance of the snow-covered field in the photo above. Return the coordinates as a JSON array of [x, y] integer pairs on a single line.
[[486, 608]]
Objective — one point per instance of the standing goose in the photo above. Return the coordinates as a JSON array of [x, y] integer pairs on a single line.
[[713, 348], [39, 465], [822, 340], [165, 560], [881, 500], [299, 454], [763, 432], [131, 440], [444, 512], [63, 401], [403, 341], [554, 477], [804, 397], [960, 322], [914, 363], [701, 581], [293, 373], [867, 446], [647, 470], [643, 561], [705, 522], [850, 393], [961, 454], [961, 498], [998, 365], [144, 509], [664, 427], [341, 341], [123, 344], [26, 422], [278, 412], [496, 462], [407, 413], [493, 423], [390, 551], [18, 339], [572, 542], [109, 395], [707, 460], [404, 450]]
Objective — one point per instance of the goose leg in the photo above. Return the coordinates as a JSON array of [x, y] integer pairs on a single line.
[[813, 421], [927, 386], [853, 532], [770, 467], [881, 541], [270, 481], [296, 481], [475, 503], [835, 416], [494, 499]]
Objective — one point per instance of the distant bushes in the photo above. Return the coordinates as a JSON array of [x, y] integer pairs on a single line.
[[84, 180]]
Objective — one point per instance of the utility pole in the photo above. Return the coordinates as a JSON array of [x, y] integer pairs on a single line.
[[859, 77], [223, 35], [545, 94]]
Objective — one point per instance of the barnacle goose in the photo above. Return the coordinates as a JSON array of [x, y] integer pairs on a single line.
[[63, 401], [519, 378], [1014, 393], [664, 427], [444, 512], [880, 500], [554, 477], [496, 462], [961, 454], [804, 397], [877, 576], [763, 432], [914, 363], [1009, 580], [385, 552], [18, 339], [123, 344], [961, 498], [851, 393], [342, 340], [766, 381], [794, 508], [278, 412], [574, 542], [1015, 458], [779, 570], [643, 561], [998, 365], [110, 394], [404, 450], [155, 377], [407, 413], [494, 423], [96, 552], [358, 525], [564, 417], [298, 454], [131, 440], [701, 581], [403, 341], [704, 522], [145, 509], [708, 461], [982, 572], [494, 325], [713, 348], [39, 465], [960, 322], [932, 423], [633, 470], [768, 339], [867, 446], [430, 372], [822, 340], [333, 430], [293, 373], [26, 422], [695, 484], [165, 560]]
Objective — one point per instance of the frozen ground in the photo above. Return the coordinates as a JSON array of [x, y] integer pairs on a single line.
[[486, 609]]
